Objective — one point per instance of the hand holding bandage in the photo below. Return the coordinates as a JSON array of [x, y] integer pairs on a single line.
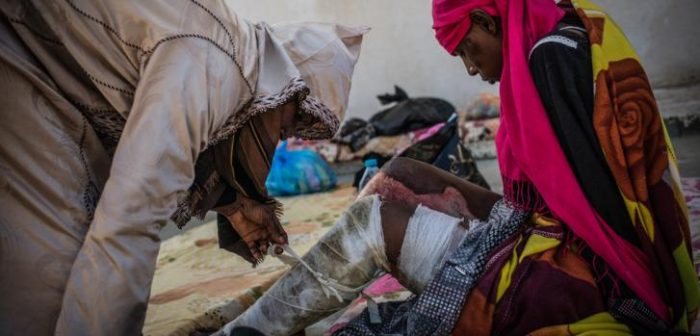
[[257, 223]]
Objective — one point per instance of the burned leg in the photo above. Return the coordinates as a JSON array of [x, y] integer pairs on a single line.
[[424, 179]]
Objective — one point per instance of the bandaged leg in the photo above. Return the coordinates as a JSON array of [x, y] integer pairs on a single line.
[[345, 261]]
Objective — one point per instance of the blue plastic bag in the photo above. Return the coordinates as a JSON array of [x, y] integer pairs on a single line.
[[298, 172]]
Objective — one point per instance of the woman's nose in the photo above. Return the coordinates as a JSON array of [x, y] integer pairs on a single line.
[[471, 69]]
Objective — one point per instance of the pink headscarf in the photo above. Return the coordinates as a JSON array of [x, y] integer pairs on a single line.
[[451, 20], [529, 153]]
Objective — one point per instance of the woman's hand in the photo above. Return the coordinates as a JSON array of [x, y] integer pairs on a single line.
[[257, 224], [255, 235]]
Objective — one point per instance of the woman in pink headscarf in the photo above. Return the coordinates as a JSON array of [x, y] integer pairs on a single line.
[[609, 230], [591, 234]]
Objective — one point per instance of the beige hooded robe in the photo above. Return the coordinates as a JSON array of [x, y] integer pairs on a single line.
[[105, 108]]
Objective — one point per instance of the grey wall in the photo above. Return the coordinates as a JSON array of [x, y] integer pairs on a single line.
[[401, 47], [665, 33]]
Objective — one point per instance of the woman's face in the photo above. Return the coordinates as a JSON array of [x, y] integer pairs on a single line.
[[293, 119], [289, 118], [481, 48]]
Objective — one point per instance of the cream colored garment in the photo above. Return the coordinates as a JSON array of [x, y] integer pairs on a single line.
[[325, 54], [316, 60], [80, 214], [51, 168]]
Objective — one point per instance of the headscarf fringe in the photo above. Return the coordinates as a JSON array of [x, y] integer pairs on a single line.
[[523, 196], [188, 207]]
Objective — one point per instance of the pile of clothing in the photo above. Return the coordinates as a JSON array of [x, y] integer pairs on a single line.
[[404, 115], [479, 124], [425, 129]]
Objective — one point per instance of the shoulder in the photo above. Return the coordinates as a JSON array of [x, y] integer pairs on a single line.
[[566, 40]]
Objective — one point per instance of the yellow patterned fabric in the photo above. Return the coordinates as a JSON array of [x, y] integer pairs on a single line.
[[601, 324], [638, 151]]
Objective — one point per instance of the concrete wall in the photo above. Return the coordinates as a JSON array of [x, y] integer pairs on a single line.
[[665, 34], [401, 47]]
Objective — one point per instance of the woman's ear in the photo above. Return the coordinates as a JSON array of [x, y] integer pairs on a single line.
[[487, 22]]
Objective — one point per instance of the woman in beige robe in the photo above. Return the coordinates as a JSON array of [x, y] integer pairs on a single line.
[[107, 109]]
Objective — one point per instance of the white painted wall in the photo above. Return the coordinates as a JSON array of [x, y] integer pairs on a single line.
[[665, 34], [401, 47]]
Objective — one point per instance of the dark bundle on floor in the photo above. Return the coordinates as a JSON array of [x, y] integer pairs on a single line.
[[443, 150], [409, 114], [405, 115]]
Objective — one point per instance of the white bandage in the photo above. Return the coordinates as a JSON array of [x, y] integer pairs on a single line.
[[430, 238]]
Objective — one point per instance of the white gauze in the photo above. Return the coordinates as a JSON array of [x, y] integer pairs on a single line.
[[430, 238]]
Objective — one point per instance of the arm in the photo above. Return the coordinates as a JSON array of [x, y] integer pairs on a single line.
[[172, 117], [424, 178]]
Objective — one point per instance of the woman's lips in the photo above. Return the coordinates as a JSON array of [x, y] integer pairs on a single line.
[[489, 80]]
